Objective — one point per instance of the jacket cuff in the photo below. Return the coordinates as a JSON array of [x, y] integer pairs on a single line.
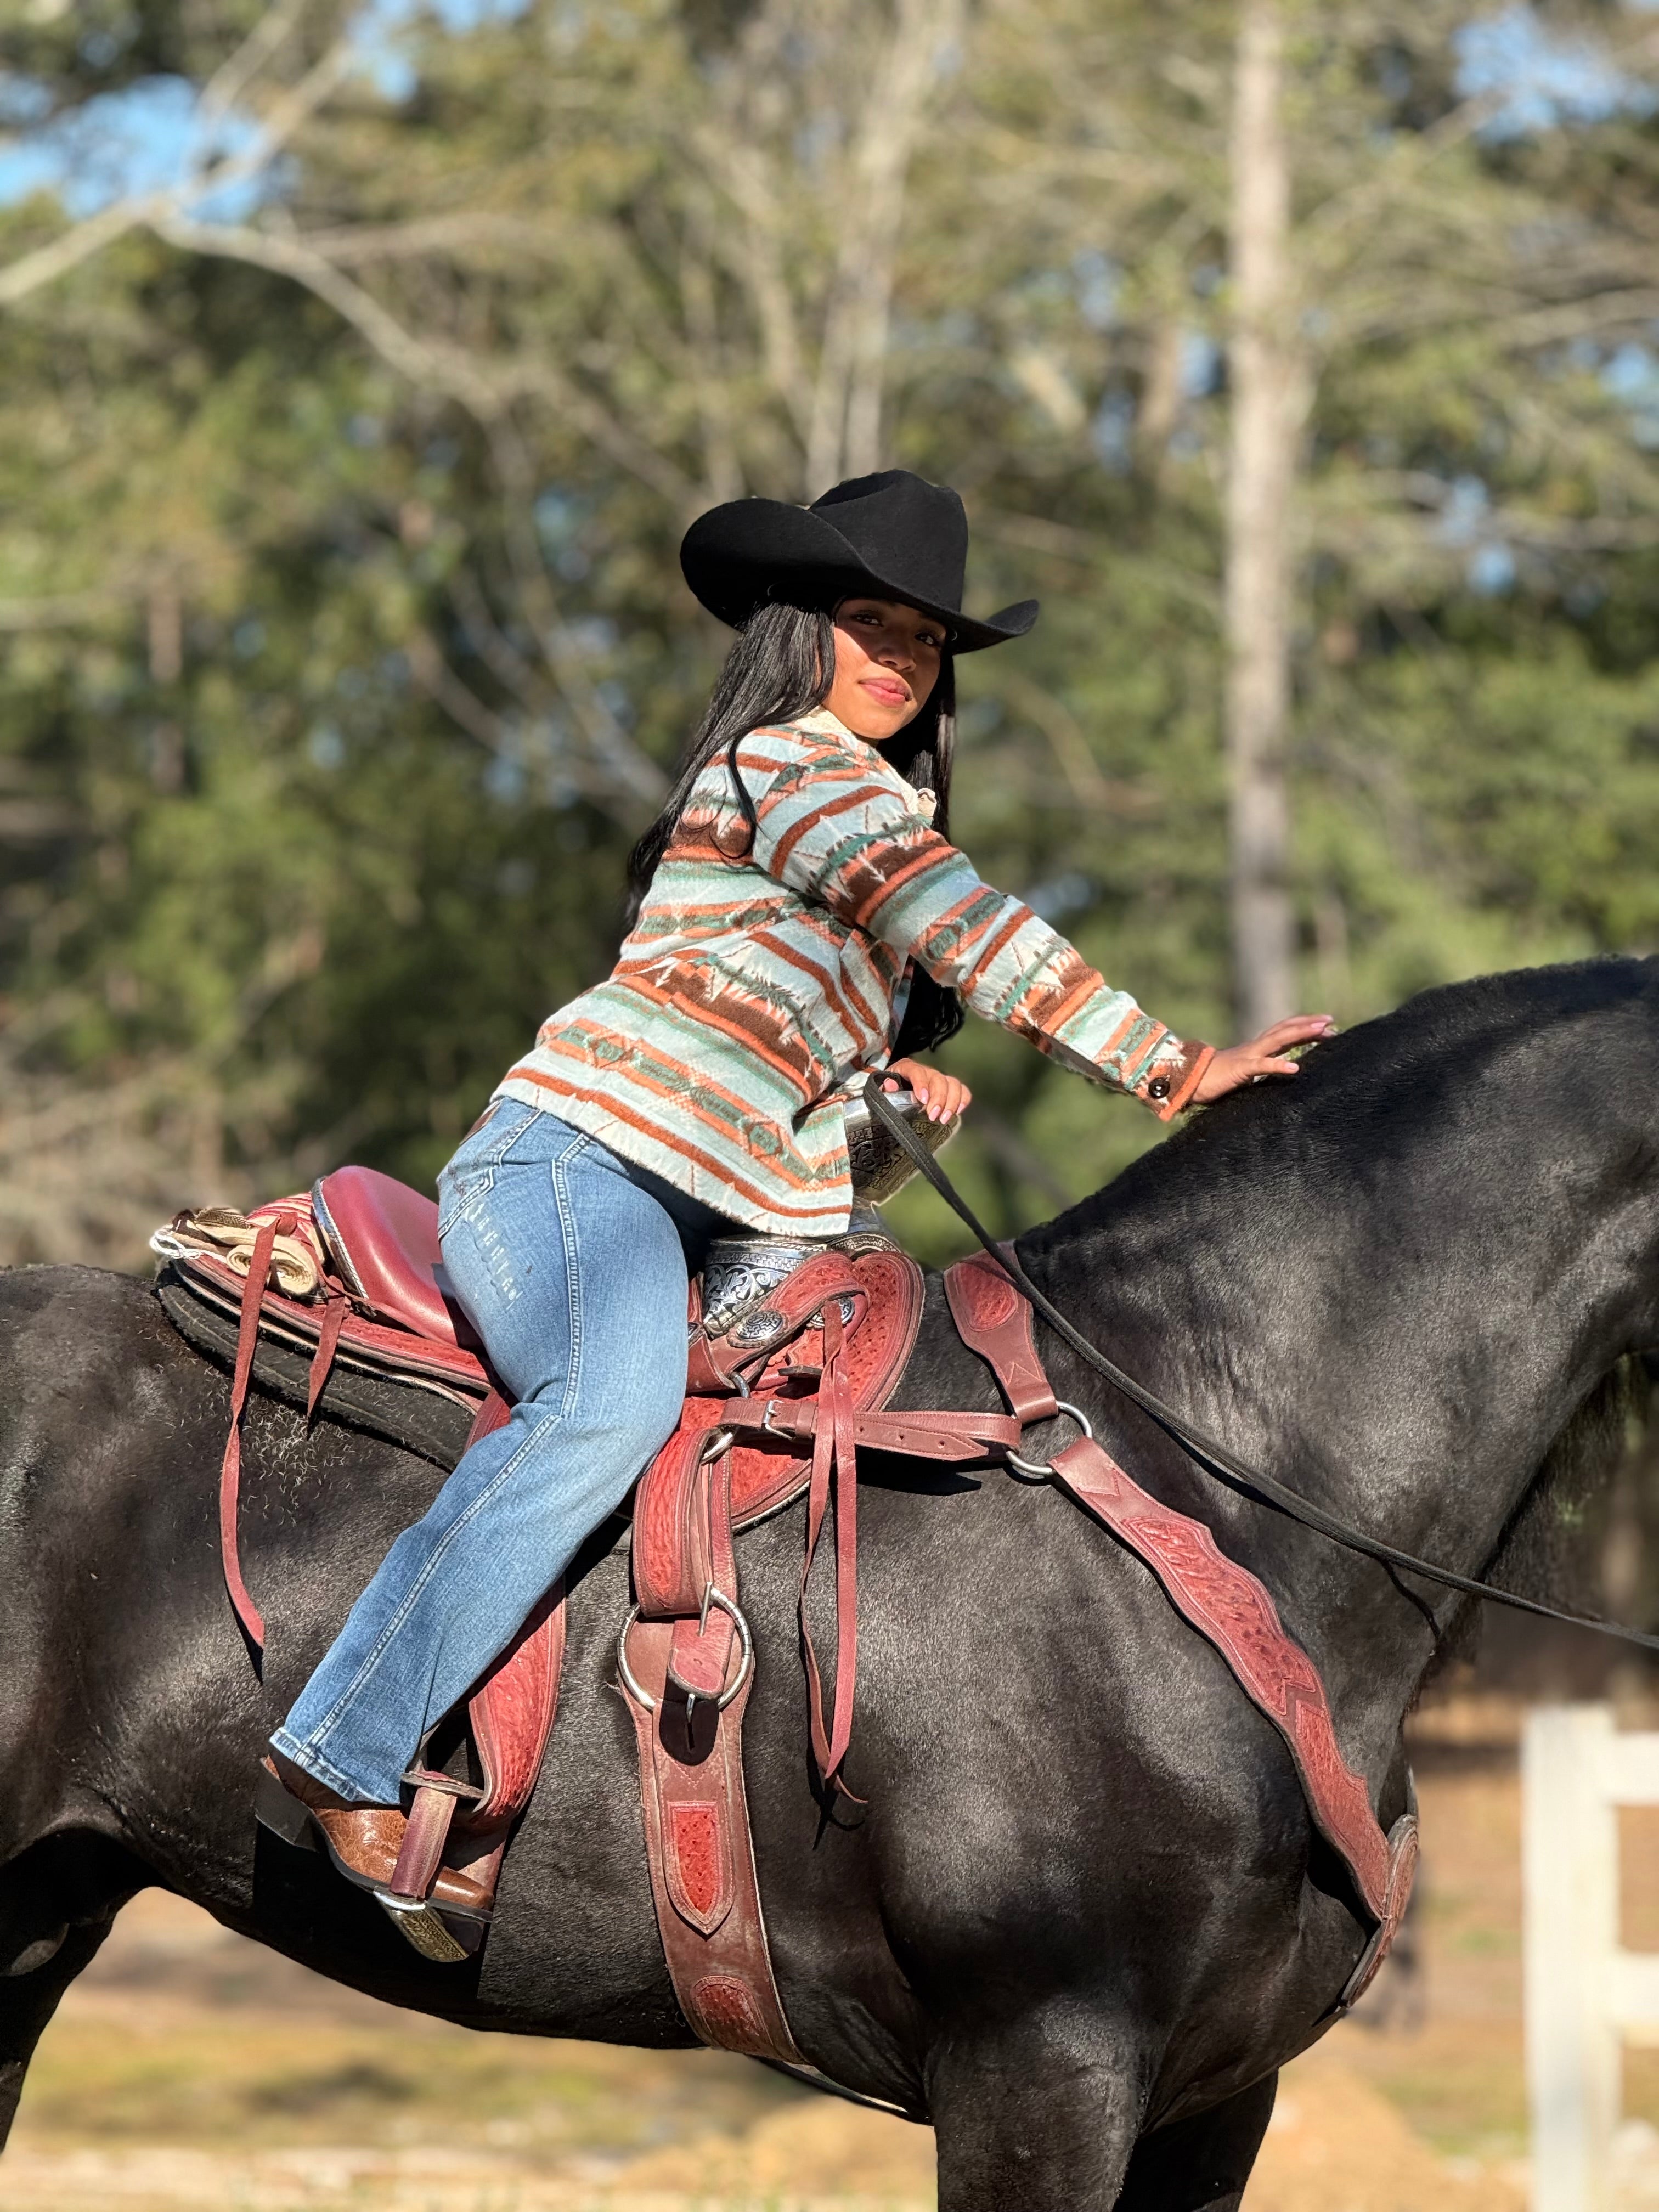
[[1169, 1079]]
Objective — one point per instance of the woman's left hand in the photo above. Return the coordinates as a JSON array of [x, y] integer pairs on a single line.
[[1263, 1056], [944, 1096]]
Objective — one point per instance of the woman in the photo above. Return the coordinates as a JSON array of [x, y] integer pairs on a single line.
[[799, 918]]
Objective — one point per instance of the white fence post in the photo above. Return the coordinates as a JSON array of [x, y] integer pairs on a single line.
[[1585, 1994], [1571, 1866]]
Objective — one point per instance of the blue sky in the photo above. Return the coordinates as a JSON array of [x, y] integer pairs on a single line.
[[146, 138], [1540, 78], [150, 137]]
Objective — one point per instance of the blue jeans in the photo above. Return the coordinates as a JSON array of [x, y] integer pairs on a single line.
[[572, 1266]]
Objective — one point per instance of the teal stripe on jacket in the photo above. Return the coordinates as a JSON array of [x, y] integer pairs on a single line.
[[756, 983]]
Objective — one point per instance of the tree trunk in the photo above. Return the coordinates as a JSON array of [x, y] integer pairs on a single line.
[[845, 436], [1268, 389]]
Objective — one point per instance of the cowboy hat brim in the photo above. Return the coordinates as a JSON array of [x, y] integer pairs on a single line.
[[738, 557]]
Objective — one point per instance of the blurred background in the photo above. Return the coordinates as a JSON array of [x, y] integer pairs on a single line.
[[361, 363]]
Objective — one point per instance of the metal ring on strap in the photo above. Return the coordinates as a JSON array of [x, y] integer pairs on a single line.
[[711, 1597], [1032, 1467]]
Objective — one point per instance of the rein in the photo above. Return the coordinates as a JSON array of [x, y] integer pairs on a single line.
[[1204, 1451]]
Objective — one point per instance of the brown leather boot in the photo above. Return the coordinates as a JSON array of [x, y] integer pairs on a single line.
[[363, 1843]]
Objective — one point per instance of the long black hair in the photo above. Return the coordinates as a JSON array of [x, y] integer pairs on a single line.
[[781, 665]]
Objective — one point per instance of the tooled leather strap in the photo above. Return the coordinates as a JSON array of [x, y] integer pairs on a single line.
[[993, 1320], [230, 1467], [699, 1848], [1224, 1601], [674, 1539], [701, 1859], [835, 1459], [700, 1655], [1402, 1870], [1227, 1604]]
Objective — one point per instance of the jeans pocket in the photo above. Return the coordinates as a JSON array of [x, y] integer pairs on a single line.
[[468, 1175]]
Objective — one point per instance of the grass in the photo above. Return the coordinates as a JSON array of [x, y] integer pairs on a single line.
[[153, 2074]]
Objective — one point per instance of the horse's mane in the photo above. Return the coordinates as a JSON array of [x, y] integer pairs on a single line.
[[1365, 1091], [1378, 1090]]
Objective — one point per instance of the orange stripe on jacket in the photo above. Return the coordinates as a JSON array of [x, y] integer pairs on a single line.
[[747, 965], [715, 1169]]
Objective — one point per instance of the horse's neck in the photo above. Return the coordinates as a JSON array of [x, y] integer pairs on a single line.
[[1404, 1356]]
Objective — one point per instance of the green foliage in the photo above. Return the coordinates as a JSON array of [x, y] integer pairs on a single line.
[[342, 644]]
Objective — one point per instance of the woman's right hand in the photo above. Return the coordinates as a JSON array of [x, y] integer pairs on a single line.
[[942, 1097], [1237, 1064]]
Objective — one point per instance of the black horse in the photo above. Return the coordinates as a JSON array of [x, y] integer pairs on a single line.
[[1084, 1916]]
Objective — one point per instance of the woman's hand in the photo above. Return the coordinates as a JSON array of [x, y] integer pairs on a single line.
[[944, 1096], [1262, 1055]]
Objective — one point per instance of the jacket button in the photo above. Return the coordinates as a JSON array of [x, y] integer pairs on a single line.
[[1158, 1087]]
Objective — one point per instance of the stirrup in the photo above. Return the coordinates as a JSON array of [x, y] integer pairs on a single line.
[[427, 1930]]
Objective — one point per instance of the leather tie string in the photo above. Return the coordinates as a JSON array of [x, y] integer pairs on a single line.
[[834, 1457], [230, 1469], [328, 1339]]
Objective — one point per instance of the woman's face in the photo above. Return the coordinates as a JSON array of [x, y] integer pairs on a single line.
[[887, 658]]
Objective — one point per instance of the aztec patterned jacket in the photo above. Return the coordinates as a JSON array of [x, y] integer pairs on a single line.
[[757, 981]]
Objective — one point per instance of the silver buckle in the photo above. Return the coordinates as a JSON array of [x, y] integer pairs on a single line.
[[1044, 1473], [642, 1696]]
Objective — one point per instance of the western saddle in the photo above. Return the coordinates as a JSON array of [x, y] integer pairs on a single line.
[[336, 1300]]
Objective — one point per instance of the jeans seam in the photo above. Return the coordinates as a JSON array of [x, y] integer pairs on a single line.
[[477, 1185], [325, 1727], [572, 1278], [498, 1158]]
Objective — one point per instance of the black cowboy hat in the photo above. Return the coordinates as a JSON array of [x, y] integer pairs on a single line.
[[892, 536]]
